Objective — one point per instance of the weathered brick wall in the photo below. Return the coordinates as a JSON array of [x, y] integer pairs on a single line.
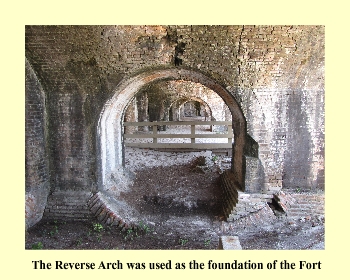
[[307, 205], [276, 73], [301, 205], [68, 205], [36, 161]]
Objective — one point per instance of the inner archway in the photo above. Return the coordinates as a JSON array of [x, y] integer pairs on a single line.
[[203, 109], [110, 138]]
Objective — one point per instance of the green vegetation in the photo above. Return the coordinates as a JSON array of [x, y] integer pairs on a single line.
[[137, 231], [183, 241], [54, 231], [79, 241], [130, 234], [98, 227], [145, 228], [207, 242], [37, 246]]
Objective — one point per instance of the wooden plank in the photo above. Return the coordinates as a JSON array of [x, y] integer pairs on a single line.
[[230, 132], [193, 132], [177, 123], [135, 136], [155, 130], [181, 145]]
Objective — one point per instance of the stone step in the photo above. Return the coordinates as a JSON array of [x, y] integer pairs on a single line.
[[71, 205], [229, 243]]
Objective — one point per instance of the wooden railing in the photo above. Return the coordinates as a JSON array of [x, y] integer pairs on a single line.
[[193, 135]]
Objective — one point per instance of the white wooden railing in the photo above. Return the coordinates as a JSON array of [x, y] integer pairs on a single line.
[[193, 135]]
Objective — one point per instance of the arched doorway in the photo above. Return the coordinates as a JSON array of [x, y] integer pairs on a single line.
[[109, 130], [174, 114]]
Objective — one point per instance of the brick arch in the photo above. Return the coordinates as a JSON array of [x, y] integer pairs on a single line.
[[184, 99], [109, 130]]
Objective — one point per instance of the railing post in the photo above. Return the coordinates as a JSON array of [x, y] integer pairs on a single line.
[[155, 130], [193, 132], [230, 134]]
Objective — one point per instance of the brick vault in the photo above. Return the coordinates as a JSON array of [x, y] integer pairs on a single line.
[[81, 79]]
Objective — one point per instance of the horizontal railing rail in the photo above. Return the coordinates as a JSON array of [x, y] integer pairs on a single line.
[[193, 135]]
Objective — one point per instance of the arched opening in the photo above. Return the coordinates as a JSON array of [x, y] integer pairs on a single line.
[[196, 107], [110, 137]]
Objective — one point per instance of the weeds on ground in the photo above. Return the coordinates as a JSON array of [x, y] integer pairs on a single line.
[[183, 241], [130, 234], [54, 231], [37, 246], [207, 242], [137, 231], [97, 227], [144, 228], [79, 241]]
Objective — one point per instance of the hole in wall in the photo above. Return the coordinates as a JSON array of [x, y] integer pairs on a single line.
[[276, 208]]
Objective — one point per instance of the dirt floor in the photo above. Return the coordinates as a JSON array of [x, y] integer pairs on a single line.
[[185, 217], [282, 235], [179, 204]]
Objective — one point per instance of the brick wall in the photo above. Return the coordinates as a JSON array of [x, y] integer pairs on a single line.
[[301, 205], [36, 161], [276, 74], [68, 205]]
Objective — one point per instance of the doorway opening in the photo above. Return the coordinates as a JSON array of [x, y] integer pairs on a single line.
[[113, 153]]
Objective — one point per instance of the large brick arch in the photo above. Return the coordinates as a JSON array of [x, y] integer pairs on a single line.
[[109, 130]]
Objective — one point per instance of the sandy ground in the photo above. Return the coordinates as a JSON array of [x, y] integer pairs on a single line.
[[179, 208], [140, 158], [280, 233]]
